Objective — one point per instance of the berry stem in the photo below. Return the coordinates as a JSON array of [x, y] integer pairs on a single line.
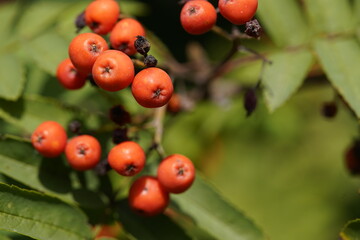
[[5, 136], [158, 123]]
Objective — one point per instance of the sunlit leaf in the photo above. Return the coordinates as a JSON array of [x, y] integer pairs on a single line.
[[326, 17], [39, 216], [12, 77], [340, 59], [283, 20], [209, 211], [285, 75]]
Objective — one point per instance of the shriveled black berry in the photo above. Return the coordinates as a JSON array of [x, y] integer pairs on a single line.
[[80, 22], [352, 158], [75, 126], [102, 167], [142, 45], [119, 135], [119, 115], [250, 101], [329, 109], [150, 61], [90, 78], [253, 28]]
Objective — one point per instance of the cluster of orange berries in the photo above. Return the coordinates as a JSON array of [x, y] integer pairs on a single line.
[[199, 16], [114, 70], [148, 195]]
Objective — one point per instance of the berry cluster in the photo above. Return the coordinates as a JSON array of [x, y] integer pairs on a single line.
[[113, 69], [90, 57], [199, 16]]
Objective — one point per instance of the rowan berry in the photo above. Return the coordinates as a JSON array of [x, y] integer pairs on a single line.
[[83, 152], [127, 158], [124, 35], [101, 16], [84, 49], [113, 70], [147, 197], [69, 77], [49, 139], [198, 17], [176, 173], [238, 11], [174, 104], [152, 87]]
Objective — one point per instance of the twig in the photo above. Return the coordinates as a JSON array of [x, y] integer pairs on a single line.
[[159, 115], [4, 136]]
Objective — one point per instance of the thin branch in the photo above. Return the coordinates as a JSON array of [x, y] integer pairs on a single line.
[[159, 115]]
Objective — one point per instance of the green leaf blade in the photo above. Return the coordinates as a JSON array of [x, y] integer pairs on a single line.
[[213, 214], [331, 18], [351, 230], [36, 215], [283, 21], [12, 77], [340, 59], [284, 76]]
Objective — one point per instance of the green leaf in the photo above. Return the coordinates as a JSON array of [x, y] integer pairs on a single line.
[[351, 231], [31, 110], [340, 60], [48, 50], [39, 216], [7, 13], [283, 21], [333, 18], [209, 211], [155, 228], [19, 161], [12, 77], [285, 75], [38, 16]]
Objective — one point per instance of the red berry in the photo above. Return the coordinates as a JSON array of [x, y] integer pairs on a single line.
[[83, 152], [124, 35], [69, 77], [198, 16], [147, 197], [113, 70], [49, 139], [176, 173], [127, 158], [238, 11], [101, 16], [152, 87], [84, 49], [174, 104]]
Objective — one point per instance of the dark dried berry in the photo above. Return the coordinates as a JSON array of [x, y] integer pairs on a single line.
[[90, 78], [150, 61], [329, 109], [250, 101], [352, 158], [75, 126], [142, 45], [102, 167], [253, 28], [119, 135], [119, 115], [80, 22]]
